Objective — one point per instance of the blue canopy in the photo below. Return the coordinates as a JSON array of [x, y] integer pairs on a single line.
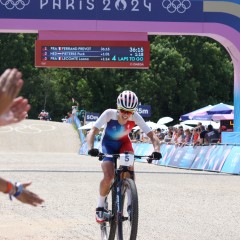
[[221, 108], [207, 113], [200, 114]]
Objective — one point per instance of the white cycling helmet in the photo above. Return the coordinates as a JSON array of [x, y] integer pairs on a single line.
[[127, 100]]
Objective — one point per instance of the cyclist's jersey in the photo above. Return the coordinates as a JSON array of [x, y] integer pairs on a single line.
[[116, 136]]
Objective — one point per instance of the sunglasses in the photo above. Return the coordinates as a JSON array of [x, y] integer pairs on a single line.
[[126, 112]]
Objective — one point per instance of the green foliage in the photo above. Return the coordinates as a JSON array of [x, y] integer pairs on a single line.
[[185, 73]]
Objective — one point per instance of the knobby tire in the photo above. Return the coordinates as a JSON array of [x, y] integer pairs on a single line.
[[132, 223]]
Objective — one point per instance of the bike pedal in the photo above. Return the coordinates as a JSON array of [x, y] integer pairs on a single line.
[[124, 218], [107, 216]]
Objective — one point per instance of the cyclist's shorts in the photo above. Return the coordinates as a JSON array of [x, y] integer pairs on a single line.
[[116, 147]]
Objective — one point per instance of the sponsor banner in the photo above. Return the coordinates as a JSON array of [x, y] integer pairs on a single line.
[[217, 158], [185, 157], [167, 150], [175, 157], [232, 163], [91, 117], [211, 158], [202, 157], [142, 149], [144, 110]]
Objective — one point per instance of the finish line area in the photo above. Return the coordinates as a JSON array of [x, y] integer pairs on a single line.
[[173, 203]]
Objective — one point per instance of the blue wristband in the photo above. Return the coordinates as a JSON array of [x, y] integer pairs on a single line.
[[19, 190], [19, 187]]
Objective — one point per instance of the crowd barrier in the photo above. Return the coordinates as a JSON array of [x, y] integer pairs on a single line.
[[77, 122], [216, 158]]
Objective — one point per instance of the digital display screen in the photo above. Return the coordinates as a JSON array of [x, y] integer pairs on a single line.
[[228, 124], [92, 54]]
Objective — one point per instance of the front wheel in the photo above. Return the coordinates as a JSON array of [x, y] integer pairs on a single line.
[[128, 224]]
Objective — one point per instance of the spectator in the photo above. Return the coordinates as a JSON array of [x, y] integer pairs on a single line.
[[16, 113], [64, 120], [20, 192], [212, 136], [196, 136], [10, 85], [13, 110], [43, 115], [203, 132], [75, 109], [174, 135], [168, 136], [188, 135], [179, 137], [137, 136], [160, 134], [144, 137]]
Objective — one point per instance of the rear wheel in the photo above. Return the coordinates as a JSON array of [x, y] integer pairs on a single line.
[[128, 224], [108, 228]]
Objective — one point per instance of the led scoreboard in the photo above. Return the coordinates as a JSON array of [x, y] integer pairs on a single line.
[[92, 54]]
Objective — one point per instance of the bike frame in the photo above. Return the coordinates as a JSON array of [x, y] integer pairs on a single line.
[[117, 216], [117, 184]]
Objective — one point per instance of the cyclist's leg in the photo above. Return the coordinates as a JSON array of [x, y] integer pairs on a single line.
[[107, 167], [108, 175]]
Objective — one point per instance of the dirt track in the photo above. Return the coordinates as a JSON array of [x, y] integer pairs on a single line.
[[174, 204]]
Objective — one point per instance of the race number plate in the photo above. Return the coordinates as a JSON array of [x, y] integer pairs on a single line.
[[126, 159]]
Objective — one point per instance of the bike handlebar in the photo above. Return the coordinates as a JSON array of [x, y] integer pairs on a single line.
[[102, 155]]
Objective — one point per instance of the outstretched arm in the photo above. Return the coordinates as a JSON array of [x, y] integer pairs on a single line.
[[21, 192]]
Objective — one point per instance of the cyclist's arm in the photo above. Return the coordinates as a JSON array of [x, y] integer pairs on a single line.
[[155, 141], [90, 137], [153, 138]]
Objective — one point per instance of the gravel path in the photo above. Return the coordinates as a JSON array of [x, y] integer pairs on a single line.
[[174, 204]]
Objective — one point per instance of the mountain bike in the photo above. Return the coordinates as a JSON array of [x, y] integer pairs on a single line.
[[122, 200]]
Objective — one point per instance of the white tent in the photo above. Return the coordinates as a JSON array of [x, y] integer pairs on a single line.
[[164, 120], [152, 125]]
